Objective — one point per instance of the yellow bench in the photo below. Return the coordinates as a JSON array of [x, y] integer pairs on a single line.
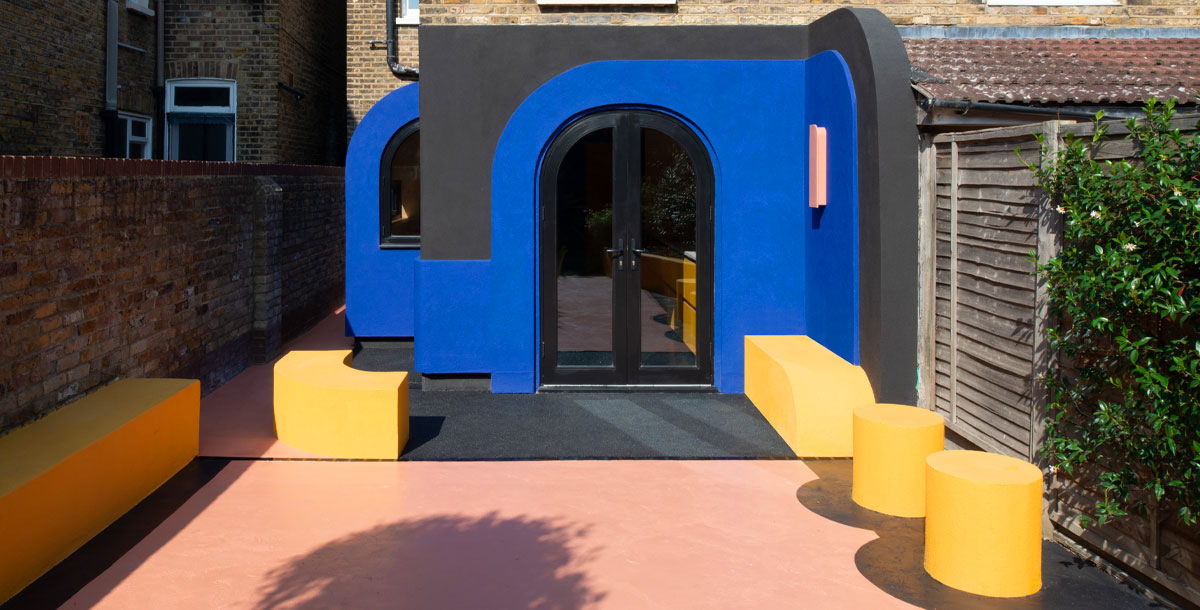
[[806, 392], [324, 406], [983, 523], [67, 476]]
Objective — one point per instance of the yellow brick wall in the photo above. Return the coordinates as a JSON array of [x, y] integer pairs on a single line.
[[1131, 13], [367, 75]]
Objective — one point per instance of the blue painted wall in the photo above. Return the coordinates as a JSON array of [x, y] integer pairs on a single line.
[[751, 116], [380, 284], [779, 268], [831, 233]]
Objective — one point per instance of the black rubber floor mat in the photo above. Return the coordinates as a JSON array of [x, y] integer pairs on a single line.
[[484, 426]]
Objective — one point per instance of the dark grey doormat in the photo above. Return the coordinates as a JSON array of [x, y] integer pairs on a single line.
[[485, 426]]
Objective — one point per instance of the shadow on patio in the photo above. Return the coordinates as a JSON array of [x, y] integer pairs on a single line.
[[450, 561], [894, 562]]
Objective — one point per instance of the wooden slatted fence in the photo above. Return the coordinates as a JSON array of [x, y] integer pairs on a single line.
[[985, 225]]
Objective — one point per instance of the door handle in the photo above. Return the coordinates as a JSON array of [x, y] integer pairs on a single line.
[[616, 252], [635, 252]]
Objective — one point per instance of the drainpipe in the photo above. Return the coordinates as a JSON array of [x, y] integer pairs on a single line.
[[392, 56], [113, 134], [160, 83]]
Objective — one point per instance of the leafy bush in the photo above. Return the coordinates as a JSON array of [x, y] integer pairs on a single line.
[[1126, 288]]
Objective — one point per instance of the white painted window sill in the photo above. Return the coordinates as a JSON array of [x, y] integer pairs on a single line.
[[138, 7], [409, 20]]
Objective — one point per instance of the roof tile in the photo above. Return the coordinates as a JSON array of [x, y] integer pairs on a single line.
[[1059, 71]]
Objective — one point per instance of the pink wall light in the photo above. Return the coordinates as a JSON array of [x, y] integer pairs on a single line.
[[817, 145]]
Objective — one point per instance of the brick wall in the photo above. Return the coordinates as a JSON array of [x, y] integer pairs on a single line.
[[52, 70], [239, 40], [368, 77], [1146, 13], [150, 268], [312, 58]]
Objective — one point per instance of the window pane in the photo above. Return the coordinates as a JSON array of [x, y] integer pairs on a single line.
[[411, 5], [203, 142], [585, 270], [137, 150], [201, 96], [406, 187], [668, 299], [137, 128]]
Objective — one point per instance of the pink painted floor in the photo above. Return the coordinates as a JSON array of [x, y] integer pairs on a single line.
[[495, 535], [238, 420]]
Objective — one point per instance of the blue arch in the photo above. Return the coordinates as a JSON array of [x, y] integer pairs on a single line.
[[753, 117], [380, 298]]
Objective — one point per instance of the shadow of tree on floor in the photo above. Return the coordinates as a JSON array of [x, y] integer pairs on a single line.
[[894, 562], [448, 561]]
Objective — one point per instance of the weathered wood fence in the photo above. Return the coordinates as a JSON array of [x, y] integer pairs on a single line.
[[985, 225]]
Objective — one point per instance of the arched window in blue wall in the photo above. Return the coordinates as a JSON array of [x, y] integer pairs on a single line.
[[400, 189]]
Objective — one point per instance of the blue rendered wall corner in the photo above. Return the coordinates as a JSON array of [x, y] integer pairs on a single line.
[[831, 232], [379, 283]]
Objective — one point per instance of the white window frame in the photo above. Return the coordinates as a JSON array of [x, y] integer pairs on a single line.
[[1054, 2], [140, 6], [178, 114], [147, 140], [408, 16]]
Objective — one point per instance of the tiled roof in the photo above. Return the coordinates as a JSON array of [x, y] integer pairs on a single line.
[[1057, 71]]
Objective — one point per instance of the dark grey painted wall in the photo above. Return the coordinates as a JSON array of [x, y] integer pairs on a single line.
[[887, 195], [474, 77]]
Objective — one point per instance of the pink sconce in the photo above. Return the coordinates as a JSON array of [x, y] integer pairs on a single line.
[[817, 147]]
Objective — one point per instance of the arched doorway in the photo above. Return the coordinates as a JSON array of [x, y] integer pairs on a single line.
[[627, 254]]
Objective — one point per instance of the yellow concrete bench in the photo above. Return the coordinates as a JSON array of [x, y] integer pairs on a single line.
[[983, 523], [324, 406], [891, 443], [806, 392], [70, 474]]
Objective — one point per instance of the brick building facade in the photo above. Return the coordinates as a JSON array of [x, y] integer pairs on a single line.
[[53, 71], [286, 61], [369, 79]]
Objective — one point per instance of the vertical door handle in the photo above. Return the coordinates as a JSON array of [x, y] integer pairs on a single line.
[[635, 254], [616, 253]]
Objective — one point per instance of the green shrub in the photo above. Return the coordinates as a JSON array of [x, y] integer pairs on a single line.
[[1125, 397]]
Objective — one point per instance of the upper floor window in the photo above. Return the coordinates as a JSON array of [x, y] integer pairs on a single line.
[[410, 12], [201, 119], [400, 189]]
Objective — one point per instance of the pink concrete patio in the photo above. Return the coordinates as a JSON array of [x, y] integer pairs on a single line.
[[564, 534]]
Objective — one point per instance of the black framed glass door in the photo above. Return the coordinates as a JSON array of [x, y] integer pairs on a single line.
[[626, 266]]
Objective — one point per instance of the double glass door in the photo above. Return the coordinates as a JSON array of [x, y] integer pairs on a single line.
[[626, 265]]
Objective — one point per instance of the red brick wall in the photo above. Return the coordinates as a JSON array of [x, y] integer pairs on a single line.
[[156, 273]]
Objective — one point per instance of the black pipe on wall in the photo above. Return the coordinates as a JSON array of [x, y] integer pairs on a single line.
[[392, 55]]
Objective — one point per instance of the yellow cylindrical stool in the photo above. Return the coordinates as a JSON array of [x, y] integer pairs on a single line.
[[890, 446], [983, 523]]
